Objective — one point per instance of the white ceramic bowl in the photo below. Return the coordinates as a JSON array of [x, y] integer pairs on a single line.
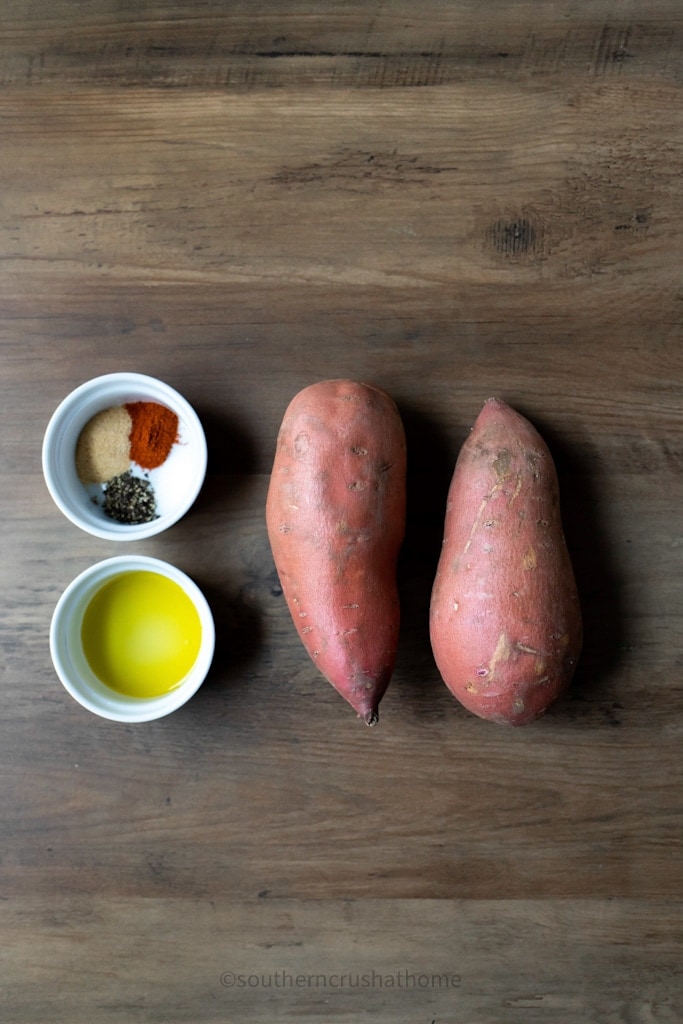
[[70, 662], [176, 483]]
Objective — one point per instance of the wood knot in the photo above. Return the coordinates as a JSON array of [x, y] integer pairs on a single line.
[[513, 237]]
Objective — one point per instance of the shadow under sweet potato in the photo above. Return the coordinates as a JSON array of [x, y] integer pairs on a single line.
[[239, 636], [430, 466], [592, 548]]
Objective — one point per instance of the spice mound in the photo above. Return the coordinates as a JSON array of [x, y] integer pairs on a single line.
[[117, 450], [129, 499], [153, 433], [103, 448]]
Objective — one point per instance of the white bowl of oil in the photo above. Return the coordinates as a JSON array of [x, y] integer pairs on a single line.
[[132, 638], [89, 456]]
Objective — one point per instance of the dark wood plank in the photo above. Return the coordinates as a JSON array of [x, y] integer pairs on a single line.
[[259, 45], [244, 198], [496, 200], [398, 961], [267, 781]]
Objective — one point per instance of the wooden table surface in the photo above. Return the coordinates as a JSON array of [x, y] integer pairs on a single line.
[[448, 200]]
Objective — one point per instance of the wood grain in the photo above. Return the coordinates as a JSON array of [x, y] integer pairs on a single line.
[[399, 960], [448, 201]]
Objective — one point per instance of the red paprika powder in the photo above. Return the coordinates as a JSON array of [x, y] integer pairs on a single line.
[[153, 433]]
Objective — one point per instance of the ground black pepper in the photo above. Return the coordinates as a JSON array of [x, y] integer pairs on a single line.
[[129, 499]]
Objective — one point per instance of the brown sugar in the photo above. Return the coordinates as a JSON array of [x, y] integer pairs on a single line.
[[103, 446]]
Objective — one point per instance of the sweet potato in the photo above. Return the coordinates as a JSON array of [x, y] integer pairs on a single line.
[[505, 621], [335, 515]]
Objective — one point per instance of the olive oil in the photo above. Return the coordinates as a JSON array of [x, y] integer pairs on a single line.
[[141, 634]]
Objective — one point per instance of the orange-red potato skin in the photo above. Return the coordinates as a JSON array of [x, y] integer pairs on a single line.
[[505, 620], [335, 515]]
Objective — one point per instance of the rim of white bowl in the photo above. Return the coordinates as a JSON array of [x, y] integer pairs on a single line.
[[65, 425], [70, 664]]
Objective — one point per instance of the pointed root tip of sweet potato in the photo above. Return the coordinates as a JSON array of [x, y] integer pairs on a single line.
[[494, 404], [496, 411], [371, 717]]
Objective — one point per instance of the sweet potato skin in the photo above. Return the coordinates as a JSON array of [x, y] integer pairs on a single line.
[[335, 515], [505, 619]]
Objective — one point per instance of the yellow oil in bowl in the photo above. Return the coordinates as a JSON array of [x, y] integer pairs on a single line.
[[141, 634]]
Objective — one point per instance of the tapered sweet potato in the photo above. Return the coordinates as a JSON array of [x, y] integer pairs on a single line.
[[335, 515], [505, 621]]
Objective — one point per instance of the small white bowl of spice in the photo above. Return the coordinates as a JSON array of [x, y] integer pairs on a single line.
[[124, 456]]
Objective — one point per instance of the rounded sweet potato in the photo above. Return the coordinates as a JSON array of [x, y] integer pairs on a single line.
[[335, 515], [505, 621]]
